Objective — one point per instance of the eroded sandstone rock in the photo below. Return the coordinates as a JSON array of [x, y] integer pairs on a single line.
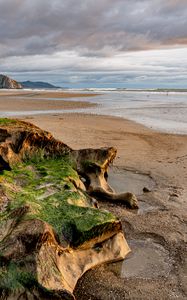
[[93, 165], [51, 231]]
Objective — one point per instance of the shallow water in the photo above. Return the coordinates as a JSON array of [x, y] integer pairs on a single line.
[[122, 180], [161, 111], [148, 260], [166, 112], [129, 181], [146, 208]]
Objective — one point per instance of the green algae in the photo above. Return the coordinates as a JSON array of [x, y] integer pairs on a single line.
[[37, 190], [14, 278], [46, 187], [6, 121]]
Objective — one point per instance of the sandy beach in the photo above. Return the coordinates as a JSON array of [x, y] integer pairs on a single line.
[[43, 94], [157, 233], [40, 101]]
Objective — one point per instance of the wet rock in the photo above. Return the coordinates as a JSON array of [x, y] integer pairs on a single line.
[[146, 190]]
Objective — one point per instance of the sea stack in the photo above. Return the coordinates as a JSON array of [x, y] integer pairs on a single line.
[[8, 83]]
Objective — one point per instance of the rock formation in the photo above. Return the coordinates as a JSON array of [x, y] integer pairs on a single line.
[[92, 164], [8, 83], [51, 230]]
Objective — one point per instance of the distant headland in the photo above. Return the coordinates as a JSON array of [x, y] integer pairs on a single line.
[[9, 83], [38, 85]]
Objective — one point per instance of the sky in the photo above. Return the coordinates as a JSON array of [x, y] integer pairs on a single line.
[[95, 43]]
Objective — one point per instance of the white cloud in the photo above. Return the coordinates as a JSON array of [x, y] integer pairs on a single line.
[[162, 66], [95, 41]]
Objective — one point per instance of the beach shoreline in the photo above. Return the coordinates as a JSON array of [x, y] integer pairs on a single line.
[[160, 112]]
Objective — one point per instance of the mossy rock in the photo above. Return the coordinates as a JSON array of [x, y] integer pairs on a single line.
[[6, 122], [51, 230], [45, 187]]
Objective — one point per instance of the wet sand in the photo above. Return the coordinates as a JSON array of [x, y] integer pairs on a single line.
[[43, 94], [33, 100], [158, 162]]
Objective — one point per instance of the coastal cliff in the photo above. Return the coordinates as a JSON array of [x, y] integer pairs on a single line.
[[8, 83], [51, 229]]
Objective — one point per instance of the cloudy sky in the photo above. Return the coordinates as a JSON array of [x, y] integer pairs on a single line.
[[96, 43]]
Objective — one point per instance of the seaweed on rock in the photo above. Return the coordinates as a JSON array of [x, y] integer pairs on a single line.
[[51, 231]]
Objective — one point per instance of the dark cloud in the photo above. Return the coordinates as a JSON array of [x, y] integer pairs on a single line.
[[90, 26]]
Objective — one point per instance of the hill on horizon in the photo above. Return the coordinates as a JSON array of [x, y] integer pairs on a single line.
[[38, 84]]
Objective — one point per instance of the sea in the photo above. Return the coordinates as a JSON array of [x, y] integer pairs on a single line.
[[164, 111]]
